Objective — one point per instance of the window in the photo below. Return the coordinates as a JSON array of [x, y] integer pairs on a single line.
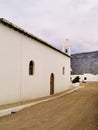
[[63, 70], [85, 78], [66, 50], [31, 68]]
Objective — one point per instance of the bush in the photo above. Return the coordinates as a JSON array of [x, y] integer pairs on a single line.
[[76, 79]]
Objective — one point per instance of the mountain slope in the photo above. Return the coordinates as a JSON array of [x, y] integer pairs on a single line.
[[85, 63]]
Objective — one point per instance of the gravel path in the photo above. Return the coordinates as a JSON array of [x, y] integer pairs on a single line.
[[76, 111]]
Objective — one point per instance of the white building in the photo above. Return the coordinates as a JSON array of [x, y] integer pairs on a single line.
[[66, 47], [86, 77], [29, 67]]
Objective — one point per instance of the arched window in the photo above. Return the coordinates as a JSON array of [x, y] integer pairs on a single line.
[[66, 50], [85, 78], [63, 70], [31, 68]]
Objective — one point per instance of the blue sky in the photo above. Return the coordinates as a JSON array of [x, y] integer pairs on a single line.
[[56, 20]]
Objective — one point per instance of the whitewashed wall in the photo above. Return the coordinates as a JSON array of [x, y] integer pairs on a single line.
[[89, 77], [16, 51], [10, 66]]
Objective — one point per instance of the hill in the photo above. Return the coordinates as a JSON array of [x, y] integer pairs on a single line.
[[85, 63]]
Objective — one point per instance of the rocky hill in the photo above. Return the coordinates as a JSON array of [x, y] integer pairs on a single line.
[[85, 63]]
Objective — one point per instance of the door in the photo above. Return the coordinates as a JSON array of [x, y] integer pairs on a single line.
[[51, 84]]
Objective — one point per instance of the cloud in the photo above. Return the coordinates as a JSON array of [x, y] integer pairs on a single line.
[[56, 20]]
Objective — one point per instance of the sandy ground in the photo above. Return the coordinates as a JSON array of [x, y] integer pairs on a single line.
[[76, 111]]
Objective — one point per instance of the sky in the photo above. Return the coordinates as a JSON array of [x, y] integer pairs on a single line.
[[54, 21]]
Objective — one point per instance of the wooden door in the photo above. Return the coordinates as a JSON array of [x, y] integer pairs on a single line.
[[51, 84]]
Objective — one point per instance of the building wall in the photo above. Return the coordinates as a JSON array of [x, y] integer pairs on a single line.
[[10, 66], [17, 50], [89, 77]]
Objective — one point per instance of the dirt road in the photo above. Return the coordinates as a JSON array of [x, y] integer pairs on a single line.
[[76, 111]]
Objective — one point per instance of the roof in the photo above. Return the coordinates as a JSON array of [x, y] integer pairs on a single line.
[[15, 27]]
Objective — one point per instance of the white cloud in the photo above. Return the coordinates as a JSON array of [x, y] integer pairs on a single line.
[[56, 20]]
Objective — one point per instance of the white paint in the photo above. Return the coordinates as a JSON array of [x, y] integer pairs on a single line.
[[75, 84], [89, 77], [16, 51], [66, 47], [21, 107]]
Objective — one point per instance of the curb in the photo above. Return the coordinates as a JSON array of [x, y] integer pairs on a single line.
[[21, 107]]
